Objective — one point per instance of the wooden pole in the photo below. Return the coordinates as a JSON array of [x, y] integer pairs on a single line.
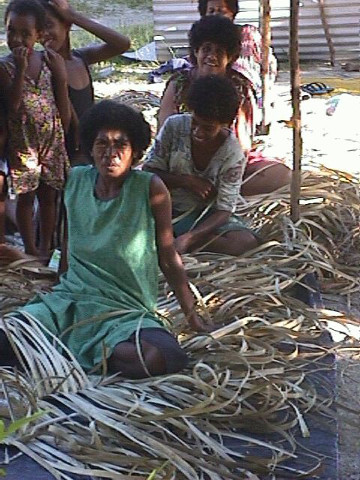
[[326, 28], [266, 42], [295, 96]]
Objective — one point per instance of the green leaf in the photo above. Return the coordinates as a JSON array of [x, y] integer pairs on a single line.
[[157, 470], [152, 474], [2, 431], [17, 424]]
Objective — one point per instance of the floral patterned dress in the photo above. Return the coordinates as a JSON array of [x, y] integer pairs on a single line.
[[36, 137]]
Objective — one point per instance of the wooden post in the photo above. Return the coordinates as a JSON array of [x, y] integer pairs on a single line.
[[266, 42], [326, 27], [295, 96]]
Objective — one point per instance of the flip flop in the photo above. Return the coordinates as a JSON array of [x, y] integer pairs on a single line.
[[316, 88]]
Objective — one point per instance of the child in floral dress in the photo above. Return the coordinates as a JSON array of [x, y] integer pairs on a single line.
[[35, 90]]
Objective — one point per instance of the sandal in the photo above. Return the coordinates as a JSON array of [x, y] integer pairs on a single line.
[[316, 88]]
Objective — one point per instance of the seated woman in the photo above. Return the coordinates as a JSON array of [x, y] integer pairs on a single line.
[[119, 224], [249, 61], [202, 163], [214, 46]]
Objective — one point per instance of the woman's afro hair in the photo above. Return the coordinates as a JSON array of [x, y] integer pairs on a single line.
[[214, 97], [218, 30], [232, 5], [27, 8], [118, 116]]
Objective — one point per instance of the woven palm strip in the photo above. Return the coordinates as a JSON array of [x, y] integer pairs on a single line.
[[249, 376]]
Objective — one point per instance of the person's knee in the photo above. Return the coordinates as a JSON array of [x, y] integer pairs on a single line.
[[283, 174], [242, 241], [8, 357], [266, 178], [129, 361], [248, 241], [153, 358]]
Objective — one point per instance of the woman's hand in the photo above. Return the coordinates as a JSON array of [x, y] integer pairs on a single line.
[[183, 243], [197, 325], [56, 63], [21, 58], [201, 187], [63, 8]]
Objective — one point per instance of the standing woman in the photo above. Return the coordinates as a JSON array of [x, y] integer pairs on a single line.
[[60, 16]]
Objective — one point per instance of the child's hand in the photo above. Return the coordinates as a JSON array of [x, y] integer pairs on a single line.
[[63, 8], [56, 63], [21, 58]]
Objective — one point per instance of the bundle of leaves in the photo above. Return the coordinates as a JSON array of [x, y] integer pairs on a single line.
[[251, 384]]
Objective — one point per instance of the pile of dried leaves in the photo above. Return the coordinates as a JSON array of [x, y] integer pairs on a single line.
[[250, 384]]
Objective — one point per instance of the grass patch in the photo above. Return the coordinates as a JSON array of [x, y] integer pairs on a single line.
[[139, 35], [99, 6], [94, 7]]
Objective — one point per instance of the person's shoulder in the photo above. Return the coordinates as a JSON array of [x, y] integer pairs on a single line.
[[232, 144], [146, 177], [80, 171], [143, 181], [180, 122], [141, 175], [180, 80]]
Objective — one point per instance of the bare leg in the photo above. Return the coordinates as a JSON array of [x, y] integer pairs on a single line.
[[24, 220], [11, 211], [275, 176], [47, 209], [232, 243], [125, 360], [2, 208]]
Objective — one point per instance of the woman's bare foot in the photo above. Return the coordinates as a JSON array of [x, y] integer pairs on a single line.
[[9, 254]]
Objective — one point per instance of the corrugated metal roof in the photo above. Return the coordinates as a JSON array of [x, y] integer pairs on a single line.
[[173, 19]]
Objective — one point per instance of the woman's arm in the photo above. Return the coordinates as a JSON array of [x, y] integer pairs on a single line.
[[114, 43], [168, 105], [13, 90], [200, 234], [199, 186], [59, 80], [169, 260]]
